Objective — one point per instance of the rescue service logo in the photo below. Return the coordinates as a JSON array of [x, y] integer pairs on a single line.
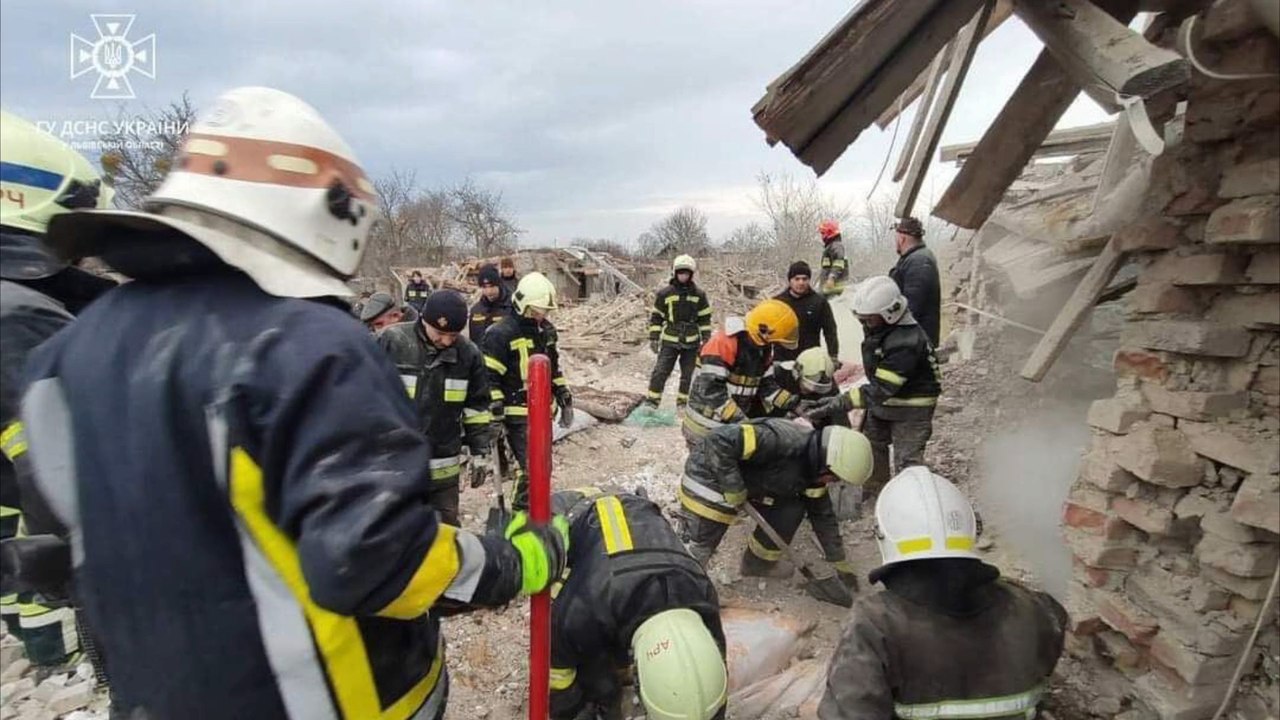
[[113, 56]]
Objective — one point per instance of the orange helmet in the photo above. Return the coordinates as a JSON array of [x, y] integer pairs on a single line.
[[828, 229], [773, 321]]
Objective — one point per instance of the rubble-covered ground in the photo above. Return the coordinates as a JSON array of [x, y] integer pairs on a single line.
[[487, 651]]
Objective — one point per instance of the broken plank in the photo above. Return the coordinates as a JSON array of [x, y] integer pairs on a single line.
[[1067, 141], [1073, 314], [917, 123], [1096, 48], [966, 43]]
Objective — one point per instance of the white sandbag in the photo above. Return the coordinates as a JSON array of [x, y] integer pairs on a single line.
[[760, 644], [793, 693]]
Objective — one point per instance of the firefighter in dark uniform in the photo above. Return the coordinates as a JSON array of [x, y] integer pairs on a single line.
[[41, 177], [783, 469], [444, 374], [945, 637], [507, 348], [903, 380], [416, 292], [809, 380], [493, 305], [733, 381], [834, 276], [679, 323], [237, 463], [633, 595]]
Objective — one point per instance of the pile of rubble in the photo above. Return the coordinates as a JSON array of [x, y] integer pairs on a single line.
[[30, 693]]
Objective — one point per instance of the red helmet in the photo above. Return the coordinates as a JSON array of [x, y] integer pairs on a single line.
[[828, 229]]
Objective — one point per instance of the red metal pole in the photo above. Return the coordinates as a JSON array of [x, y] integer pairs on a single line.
[[540, 512]]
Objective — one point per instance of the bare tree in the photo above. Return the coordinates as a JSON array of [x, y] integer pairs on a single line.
[[138, 150], [483, 218], [416, 226], [752, 238], [794, 209], [868, 235], [682, 232], [612, 247]]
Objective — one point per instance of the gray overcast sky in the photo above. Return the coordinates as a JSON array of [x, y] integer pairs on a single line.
[[594, 118]]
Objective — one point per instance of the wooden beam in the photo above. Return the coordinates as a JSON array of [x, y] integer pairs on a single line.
[[1073, 314], [874, 95], [917, 123], [1067, 141], [966, 43], [1003, 11], [1098, 49]]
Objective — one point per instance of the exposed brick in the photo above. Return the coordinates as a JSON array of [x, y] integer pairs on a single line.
[[1100, 470], [1249, 560], [1082, 518], [1263, 269], [1258, 177], [1160, 456], [1128, 658], [1125, 617], [1152, 298], [1221, 523], [1267, 380], [1252, 310], [1150, 235], [1248, 220], [1245, 609], [1192, 405], [1145, 515], [1116, 415], [1251, 452], [1162, 420], [1207, 597], [1081, 611], [1193, 667], [1191, 337], [1171, 699], [1205, 269], [1100, 552], [1195, 504], [1100, 578], [1131, 362], [1257, 503], [1252, 588]]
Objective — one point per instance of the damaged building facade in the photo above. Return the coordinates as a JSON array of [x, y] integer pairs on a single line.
[[1150, 254]]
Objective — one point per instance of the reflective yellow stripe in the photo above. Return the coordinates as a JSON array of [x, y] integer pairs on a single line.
[[444, 473], [1023, 703], [839, 263], [432, 578], [410, 385], [759, 550], [477, 418], [13, 441], [692, 504], [562, 678], [336, 637], [959, 542], [890, 377], [705, 312], [495, 364], [915, 545], [613, 525], [515, 410], [496, 394], [455, 395], [522, 346], [826, 261], [911, 402], [855, 396], [30, 610], [815, 492], [748, 441], [559, 381], [6, 511]]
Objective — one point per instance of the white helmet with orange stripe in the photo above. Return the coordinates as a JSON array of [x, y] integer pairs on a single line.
[[263, 182]]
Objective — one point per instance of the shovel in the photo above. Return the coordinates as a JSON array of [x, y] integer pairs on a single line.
[[498, 516], [827, 589]]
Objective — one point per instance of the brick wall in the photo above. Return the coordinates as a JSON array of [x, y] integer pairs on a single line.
[[1174, 521]]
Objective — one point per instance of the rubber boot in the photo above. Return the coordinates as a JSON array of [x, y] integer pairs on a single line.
[[753, 566]]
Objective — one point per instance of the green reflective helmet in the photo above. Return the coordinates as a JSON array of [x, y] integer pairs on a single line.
[[815, 371], [679, 669], [848, 454]]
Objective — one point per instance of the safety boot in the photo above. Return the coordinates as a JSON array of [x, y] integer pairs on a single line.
[[753, 566]]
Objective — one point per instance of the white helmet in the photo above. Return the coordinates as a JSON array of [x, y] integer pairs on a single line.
[[815, 371], [921, 516], [684, 262], [880, 296], [267, 185]]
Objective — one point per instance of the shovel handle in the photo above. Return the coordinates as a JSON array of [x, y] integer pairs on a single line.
[[783, 545]]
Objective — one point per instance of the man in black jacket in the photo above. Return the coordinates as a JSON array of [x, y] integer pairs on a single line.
[[632, 595], [416, 292], [812, 309], [679, 324], [445, 376], [493, 305], [903, 380], [917, 276]]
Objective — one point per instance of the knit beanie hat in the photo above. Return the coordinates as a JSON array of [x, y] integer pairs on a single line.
[[446, 311], [799, 267], [489, 276]]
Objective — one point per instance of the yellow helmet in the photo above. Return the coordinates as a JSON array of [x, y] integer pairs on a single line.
[[684, 262], [848, 454], [815, 371], [773, 321], [534, 291], [679, 669], [41, 176]]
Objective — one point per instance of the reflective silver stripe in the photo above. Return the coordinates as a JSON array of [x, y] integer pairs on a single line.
[[472, 554], [410, 384], [286, 636], [455, 383], [52, 451], [698, 418], [702, 491], [716, 370], [444, 462], [991, 707]]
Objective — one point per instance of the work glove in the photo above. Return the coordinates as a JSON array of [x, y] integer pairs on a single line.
[[544, 550], [565, 401], [735, 497], [835, 363], [655, 345], [847, 574], [481, 469], [827, 408]]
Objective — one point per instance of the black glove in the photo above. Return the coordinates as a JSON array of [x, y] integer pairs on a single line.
[[481, 469], [826, 409], [655, 345], [565, 401]]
